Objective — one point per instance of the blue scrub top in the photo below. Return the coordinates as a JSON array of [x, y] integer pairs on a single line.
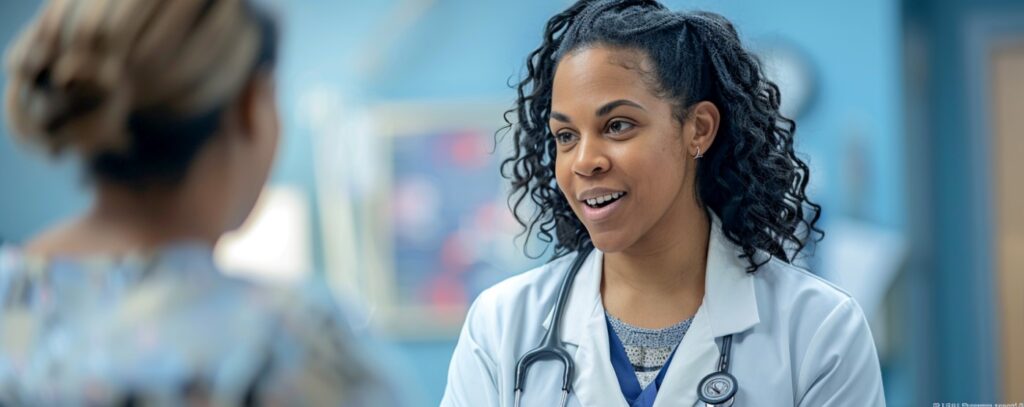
[[630, 385]]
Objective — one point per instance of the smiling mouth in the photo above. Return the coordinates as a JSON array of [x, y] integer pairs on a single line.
[[605, 200]]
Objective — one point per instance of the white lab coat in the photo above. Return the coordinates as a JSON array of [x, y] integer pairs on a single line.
[[797, 339]]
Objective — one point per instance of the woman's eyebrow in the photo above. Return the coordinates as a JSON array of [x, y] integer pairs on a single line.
[[608, 107], [602, 111], [561, 117]]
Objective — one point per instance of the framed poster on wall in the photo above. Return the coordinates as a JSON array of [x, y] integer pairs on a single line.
[[430, 226]]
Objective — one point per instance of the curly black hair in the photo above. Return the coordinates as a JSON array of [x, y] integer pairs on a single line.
[[751, 178]]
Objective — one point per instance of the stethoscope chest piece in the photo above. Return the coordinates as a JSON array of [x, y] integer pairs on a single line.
[[717, 389]]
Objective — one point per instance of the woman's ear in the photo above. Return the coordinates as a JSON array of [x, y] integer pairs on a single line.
[[256, 111], [705, 117]]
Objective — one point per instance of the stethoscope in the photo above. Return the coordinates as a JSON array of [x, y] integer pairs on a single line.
[[716, 389]]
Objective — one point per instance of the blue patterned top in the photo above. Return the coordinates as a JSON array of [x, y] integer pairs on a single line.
[[170, 329], [648, 349]]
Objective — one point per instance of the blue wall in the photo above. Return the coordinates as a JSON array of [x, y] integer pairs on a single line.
[[33, 192], [464, 50], [855, 47]]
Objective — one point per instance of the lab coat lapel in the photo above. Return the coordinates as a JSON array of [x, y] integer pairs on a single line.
[[695, 357], [729, 307], [583, 326], [584, 299], [596, 384], [729, 296]]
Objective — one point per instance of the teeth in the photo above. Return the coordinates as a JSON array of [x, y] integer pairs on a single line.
[[602, 199]]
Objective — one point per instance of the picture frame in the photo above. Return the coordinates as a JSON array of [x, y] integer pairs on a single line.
[[417, 223]]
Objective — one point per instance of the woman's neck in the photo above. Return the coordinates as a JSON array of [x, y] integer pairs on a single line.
[[659, 281], [124, 220]]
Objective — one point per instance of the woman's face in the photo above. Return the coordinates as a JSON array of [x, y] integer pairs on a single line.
[[622, 156]]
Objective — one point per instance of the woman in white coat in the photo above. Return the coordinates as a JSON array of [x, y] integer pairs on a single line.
[[653, 137]]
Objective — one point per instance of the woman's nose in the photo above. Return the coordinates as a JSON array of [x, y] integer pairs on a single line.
[[590, 157]]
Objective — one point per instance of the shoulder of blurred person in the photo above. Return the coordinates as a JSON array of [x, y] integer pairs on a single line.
[[171, 328]]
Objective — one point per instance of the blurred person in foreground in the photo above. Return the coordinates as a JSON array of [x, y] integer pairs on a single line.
[[170, 105]]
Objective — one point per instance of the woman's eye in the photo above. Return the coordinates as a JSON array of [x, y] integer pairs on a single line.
[[619, 126], [564, 138]]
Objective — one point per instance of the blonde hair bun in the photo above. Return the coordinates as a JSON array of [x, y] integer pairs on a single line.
[[82, 67]]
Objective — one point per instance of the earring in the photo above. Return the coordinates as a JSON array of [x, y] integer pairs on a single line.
[[698, 155]]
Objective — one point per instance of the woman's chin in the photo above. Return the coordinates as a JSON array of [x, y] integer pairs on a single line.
[[610, 241]]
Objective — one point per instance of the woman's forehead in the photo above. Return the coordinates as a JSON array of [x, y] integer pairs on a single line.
[[595, 75]]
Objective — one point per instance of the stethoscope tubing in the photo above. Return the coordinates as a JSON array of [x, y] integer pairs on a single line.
[[551, 348]]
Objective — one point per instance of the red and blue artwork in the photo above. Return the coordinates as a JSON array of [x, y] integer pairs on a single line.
[[452, 231]]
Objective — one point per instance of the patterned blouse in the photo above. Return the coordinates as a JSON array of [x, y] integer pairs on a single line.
[[648, 349], [170, 329]]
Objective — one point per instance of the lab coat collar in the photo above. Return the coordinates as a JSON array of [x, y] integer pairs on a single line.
[[729, 298], [584, 298], [729, 307]]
